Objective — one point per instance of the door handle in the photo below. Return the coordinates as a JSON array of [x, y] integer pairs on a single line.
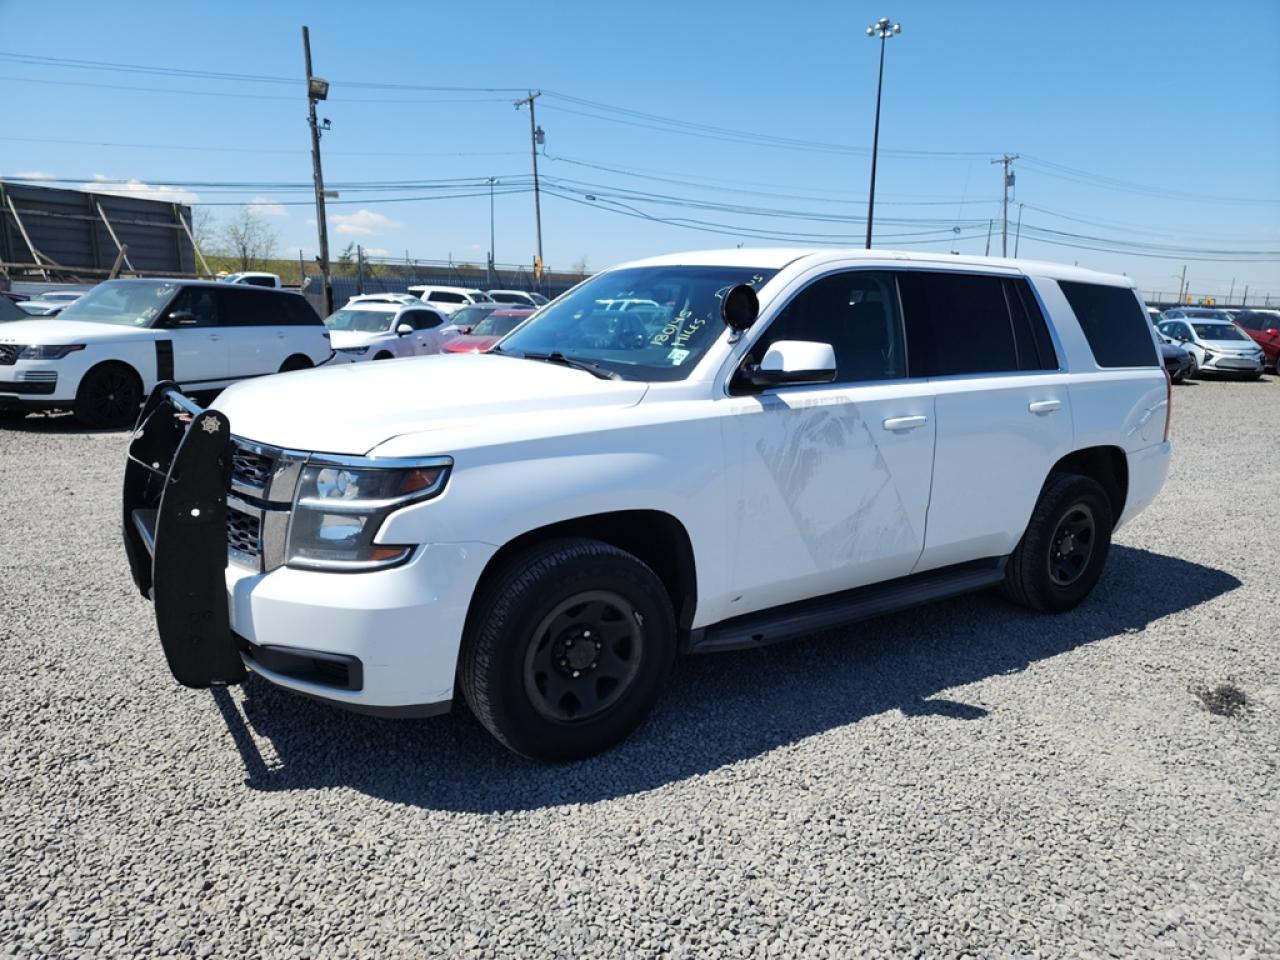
[[1044, 406], [214, 338], [905, 423]]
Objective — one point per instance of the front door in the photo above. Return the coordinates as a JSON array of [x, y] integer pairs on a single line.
[[198, 344], [834, 478], [426, 330]]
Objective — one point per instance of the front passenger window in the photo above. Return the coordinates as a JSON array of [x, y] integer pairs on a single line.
[[855, 312], [200, 303]]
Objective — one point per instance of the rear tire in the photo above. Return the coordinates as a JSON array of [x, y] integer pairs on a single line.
[[109, 395], [384, 356], [296, 362], [569, 646], [1064, 549]]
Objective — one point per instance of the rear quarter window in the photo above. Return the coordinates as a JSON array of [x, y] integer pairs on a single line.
[[1113, 322]]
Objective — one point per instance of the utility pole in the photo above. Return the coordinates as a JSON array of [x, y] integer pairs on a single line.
[[492, 181], [883, 29], [987, 252], [1006, 162], [1244, 300], [318, 89], [1017, 237], [1233, 291], [536, 136], [359, 269], [1182, 283]]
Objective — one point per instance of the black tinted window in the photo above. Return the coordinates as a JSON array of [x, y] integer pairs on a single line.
[[200, 303], [958, 323], [855, 312], [441, 296], [422, 319], [247, 307], [259, 281], [1030, 332], [1113, 323]]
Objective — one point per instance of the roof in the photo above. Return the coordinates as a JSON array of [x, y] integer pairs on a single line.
[[777, 258], [437, 286], [215, 284]]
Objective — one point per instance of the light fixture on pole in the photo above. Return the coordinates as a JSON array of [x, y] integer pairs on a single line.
[[318, 90], [884, 29]]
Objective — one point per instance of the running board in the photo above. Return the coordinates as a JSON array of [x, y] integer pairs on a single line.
[[822, 613]]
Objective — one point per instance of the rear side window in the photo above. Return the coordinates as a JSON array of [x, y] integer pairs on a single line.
[[258, 281], [300, 312], [442, 296], [247, 307], [1113, 323], [957, 323]]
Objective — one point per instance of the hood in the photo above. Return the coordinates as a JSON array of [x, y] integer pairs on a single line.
[[1230, 346], [342, 339], [51, 330], [352, 408], [471, 344]]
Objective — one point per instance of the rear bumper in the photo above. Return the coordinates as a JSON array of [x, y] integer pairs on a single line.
[[1148, 469]]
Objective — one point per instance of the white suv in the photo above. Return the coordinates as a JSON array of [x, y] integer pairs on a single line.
[[449, 299], [783, 442], [383, 326], [104, 352]]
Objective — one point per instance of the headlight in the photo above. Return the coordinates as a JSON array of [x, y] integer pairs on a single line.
[[48, 353], [339, 509], [354, 351]]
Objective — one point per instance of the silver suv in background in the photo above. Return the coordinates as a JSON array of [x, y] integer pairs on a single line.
[[383, 326]]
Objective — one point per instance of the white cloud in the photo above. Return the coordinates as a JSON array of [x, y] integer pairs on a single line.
[[136, 188], [32, 175], [362, 222], [268, 208]]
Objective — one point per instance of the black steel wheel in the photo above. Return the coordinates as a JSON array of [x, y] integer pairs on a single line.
[[1072, 545], [568, 646], [1064, 549], [583, 656], [109, 396]]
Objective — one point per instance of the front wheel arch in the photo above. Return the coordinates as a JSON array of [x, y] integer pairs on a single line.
[[81, 407]]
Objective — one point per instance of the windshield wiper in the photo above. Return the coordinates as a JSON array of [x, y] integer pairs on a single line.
[[557, 357]]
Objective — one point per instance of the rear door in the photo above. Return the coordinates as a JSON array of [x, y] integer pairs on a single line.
[[192, 349], [257, 323], [1001, 402]]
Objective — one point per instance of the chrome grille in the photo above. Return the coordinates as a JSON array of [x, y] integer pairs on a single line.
[[244, 536], [9, 354]]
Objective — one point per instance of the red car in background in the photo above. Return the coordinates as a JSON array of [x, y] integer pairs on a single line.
[[487, 332], [1264, 327]]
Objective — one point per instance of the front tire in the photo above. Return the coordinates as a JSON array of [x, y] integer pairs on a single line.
[[570, 645], [109, 396], [1064, 549]]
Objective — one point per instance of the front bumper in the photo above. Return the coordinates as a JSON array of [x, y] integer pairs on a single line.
[[383, 642], [1232, 364]]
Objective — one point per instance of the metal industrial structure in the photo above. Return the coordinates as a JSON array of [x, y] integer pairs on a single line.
[[55, 234]]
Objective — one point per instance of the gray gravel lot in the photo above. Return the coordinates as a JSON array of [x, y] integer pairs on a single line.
[[963, 780]]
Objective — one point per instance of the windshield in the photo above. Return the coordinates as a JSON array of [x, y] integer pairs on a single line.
[[360, 321], [132, 303], [469, 316], [671, 318], [1218, 331], [492, 326], [10, 310]]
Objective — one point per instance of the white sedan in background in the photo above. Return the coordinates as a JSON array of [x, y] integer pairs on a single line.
[[1218, 346], [518, 298], [382, 327]]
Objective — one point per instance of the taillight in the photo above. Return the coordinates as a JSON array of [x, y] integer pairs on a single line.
[[1168, 404]]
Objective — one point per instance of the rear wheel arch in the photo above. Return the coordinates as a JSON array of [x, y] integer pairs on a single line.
[[296, 361], [655, 537], [1108, 466]]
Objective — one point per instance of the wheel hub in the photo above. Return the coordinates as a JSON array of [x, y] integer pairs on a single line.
[[578, 649]]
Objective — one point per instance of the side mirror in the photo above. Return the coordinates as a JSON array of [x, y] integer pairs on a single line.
[[740, 307], [181, 318], [404, 330], [794, 362]]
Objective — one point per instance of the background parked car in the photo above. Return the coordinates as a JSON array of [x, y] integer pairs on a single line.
[[449, 299], [518, 297], [462, 321], [380, 329], [1264, 327], [1200, 313], [1218, 346], [253, 279], [1178, 361], [487, 332], [108, 349], [41, 308]]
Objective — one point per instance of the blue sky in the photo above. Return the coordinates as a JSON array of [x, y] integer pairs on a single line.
[[1144, 127]]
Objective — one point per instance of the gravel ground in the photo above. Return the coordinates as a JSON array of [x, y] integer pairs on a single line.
[[962, 780]]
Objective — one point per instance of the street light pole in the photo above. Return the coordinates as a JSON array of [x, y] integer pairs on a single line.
[[536, 136], [318, 89], [883, 29], [492, 181]]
